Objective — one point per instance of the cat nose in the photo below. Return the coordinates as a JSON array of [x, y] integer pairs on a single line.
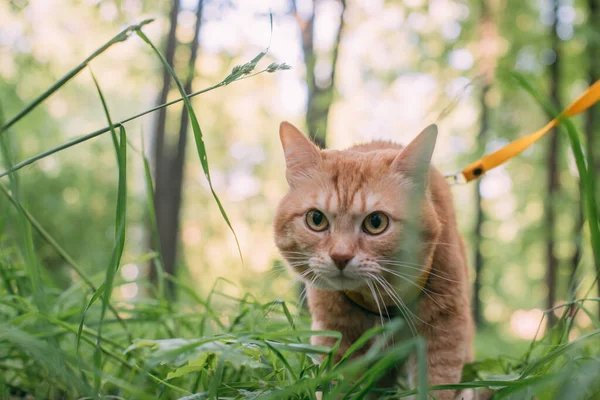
[[341, 259]]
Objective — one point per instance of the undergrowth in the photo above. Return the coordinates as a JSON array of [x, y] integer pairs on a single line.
[[83, 343]]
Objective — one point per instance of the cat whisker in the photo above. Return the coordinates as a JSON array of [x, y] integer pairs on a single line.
[[316, 279], [273, 273], [297, 263], [443, 244], [396, 260], [400, 263], [410, 278], [303, 274], [418, 267], [386, 311], [399, 303], [296, 253], [422, 270], [302, 297], [412, 315], [422, 289], [376, 302], [394, 295], [385, 308]]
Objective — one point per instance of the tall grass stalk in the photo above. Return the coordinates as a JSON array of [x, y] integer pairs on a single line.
[[120, 37], [200, 146], [587, 181]]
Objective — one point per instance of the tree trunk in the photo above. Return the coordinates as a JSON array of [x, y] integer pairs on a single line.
[[161, 119], [158, 142], [175, 168], [552, 178], [480, 216], [320, 98], [487, 67], [170, 166]]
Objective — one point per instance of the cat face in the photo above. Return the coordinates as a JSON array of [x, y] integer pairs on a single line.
[[340, 225]]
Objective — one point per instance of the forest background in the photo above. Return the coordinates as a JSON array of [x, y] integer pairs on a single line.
[[345, 71]]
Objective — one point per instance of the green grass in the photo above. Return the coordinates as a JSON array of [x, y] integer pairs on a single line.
[[57, 343]]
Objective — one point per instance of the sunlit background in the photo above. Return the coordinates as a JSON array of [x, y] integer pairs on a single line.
[[395, 67]]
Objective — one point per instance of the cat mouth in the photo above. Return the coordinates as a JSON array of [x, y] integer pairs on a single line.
[[330, 278]]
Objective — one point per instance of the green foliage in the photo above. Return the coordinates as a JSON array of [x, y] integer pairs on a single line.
[[245, 350], [56, 343]]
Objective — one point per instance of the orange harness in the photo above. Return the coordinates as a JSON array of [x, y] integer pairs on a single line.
[[366, 304]]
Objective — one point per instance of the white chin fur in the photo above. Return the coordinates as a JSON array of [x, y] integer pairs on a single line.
[[330, 278]]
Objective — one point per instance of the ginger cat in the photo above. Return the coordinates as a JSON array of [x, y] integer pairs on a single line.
[[339, 228]]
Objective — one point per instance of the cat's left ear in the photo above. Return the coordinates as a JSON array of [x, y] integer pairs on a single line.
[[301, 155], [416, 157]]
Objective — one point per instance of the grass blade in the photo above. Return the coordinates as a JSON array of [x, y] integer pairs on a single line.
[[586, 177], [46, 356], [121, 37], [117, 252], [64, 255], [200, 147], [233, 77], [30, 259], [158, 260], [422, 369], [238, 73], [106, 113]]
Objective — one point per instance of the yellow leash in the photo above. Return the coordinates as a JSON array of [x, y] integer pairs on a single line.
[[516, 147]]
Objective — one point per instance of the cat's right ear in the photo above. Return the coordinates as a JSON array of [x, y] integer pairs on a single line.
[[300, 153], [414, 160]]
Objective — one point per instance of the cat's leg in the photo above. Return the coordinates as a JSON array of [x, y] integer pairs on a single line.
[[320, 341], [445, 353]]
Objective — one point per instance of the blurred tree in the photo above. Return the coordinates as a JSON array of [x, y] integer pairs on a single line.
[[170, 160], [487, 66], [552, 159], [591, 122], [320, 91], [592, 117], [175, 164], [161, 116], [161, 157]]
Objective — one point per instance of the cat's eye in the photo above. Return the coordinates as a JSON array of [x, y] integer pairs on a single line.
[[375, 223], [316, 220]]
